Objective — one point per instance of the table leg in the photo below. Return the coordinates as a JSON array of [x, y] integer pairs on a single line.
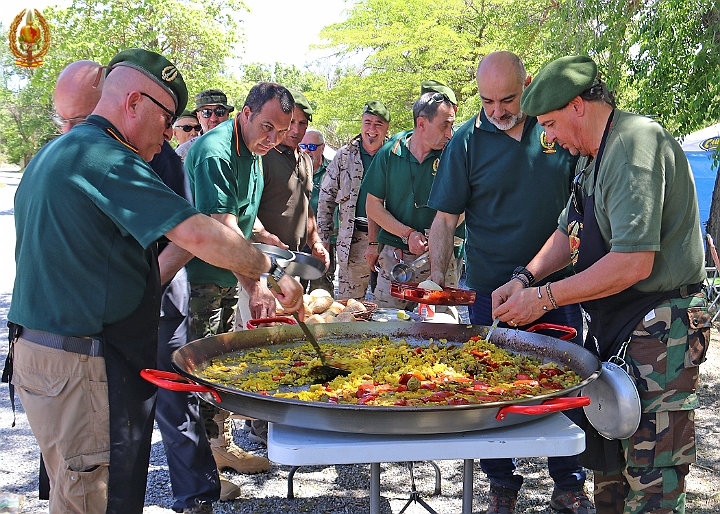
[[375, 488], [467, 496]]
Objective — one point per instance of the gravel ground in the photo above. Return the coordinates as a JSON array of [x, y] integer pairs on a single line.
[[344, 489]]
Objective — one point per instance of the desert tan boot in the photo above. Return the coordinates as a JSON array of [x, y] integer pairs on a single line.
[[228, 490], [229, 455]]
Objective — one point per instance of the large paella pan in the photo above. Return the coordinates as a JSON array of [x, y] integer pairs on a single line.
[[428, 419]]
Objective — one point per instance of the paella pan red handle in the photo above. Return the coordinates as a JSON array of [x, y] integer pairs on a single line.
[[175, 382], [570, 332], [546, 407], [255, 323], [448, 296]]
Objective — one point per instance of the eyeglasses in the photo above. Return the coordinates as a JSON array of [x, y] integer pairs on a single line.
[[577, 193], [219, 112], [61, 122], [188, 128], [310, 146], [412, 185], [173, 118]]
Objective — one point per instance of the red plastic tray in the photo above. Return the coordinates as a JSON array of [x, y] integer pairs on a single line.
[[448, 296]]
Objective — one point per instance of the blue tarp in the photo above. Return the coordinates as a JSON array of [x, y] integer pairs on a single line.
[[699, 148]]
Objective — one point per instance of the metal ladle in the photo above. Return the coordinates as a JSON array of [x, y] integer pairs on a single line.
[[325, 370], [402, 272]]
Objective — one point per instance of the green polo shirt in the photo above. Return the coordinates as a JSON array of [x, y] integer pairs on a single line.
[[397, 177], [225, 178], [511, 192], [86, 211], [645, 201]]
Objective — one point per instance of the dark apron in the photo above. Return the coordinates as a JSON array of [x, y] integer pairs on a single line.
[[130, 346], [611, 320]]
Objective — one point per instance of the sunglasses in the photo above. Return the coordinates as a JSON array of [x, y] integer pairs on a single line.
[[188, 128], [310, 146], [577, 193], [219, 112], [173, 118], [438, 97], [412, 186], [61, 122]]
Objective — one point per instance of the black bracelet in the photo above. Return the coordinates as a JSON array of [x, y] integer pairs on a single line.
[[523, 280], [522, 270]]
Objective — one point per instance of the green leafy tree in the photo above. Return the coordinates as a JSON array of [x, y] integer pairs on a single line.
[[198, 36]]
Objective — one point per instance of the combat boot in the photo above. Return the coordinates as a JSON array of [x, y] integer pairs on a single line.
[[228, 455], [228, 490]]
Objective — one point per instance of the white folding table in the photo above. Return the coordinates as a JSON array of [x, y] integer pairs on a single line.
[[550, 436]]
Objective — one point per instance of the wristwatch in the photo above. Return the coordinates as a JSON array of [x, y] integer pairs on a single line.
[[522, 270], [404, 239], [276, 271]]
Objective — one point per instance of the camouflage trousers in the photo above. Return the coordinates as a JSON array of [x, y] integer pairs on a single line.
[[386, 262], [664, 354], [353, 279], [212, 312]]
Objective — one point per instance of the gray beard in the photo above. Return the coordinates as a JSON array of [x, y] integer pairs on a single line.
[[507, 124]]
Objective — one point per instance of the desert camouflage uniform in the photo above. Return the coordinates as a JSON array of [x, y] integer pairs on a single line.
[[386, 262], [664, 357], [340, 187]]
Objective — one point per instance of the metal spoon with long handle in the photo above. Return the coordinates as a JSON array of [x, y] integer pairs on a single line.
[[324, 369], [492, 328]]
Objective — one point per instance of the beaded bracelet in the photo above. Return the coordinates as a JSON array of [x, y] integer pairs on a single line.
[[550, 296], [522, 279]]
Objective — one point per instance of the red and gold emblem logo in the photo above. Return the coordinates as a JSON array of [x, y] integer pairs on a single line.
[[31, 42]]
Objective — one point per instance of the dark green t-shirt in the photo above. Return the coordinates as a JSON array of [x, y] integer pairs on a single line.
[[511, 192], [225, 178], [397, 177], [645, 201], [86, 211]]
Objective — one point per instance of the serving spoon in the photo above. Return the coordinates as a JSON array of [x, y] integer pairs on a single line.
[[325, 370]]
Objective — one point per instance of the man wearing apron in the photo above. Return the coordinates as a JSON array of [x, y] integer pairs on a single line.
[[85, 305], [632, 232]]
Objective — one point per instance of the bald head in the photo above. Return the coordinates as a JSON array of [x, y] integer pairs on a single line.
[[74, 96], [139, 108], [501, 63]]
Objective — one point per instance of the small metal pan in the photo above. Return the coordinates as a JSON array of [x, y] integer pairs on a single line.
[[282, 256], [305, 266]]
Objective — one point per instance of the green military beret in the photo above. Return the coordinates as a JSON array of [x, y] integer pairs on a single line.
[[558, 83], [433, 86], [187, 113], [159, 69], [212, 97], [302, 103], [377, 108]]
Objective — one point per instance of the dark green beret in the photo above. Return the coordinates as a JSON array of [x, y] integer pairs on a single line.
[[558, 83], [212, 97], [433, 86], [302, 103], [187, 113], [159, 69], [377, 108]]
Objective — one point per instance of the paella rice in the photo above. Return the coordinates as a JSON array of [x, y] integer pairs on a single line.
[[387, 372]]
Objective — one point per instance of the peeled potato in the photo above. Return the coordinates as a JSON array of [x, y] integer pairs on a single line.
[[429, 285], [345, 317], [328, 316], [321, 304], [355, 306], [319, 293], [336, 308], [315, 318]]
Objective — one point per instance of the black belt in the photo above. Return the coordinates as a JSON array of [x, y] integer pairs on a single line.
[[83, 345]]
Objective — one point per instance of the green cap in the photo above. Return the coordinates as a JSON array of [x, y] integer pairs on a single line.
[[302, 103], [377, 108], [187, 113], [433, 86], [212, 97], [558, 83], [157, 68]]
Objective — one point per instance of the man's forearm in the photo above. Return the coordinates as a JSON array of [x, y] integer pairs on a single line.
[[171, 260], [440, 243], [219, 245]]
